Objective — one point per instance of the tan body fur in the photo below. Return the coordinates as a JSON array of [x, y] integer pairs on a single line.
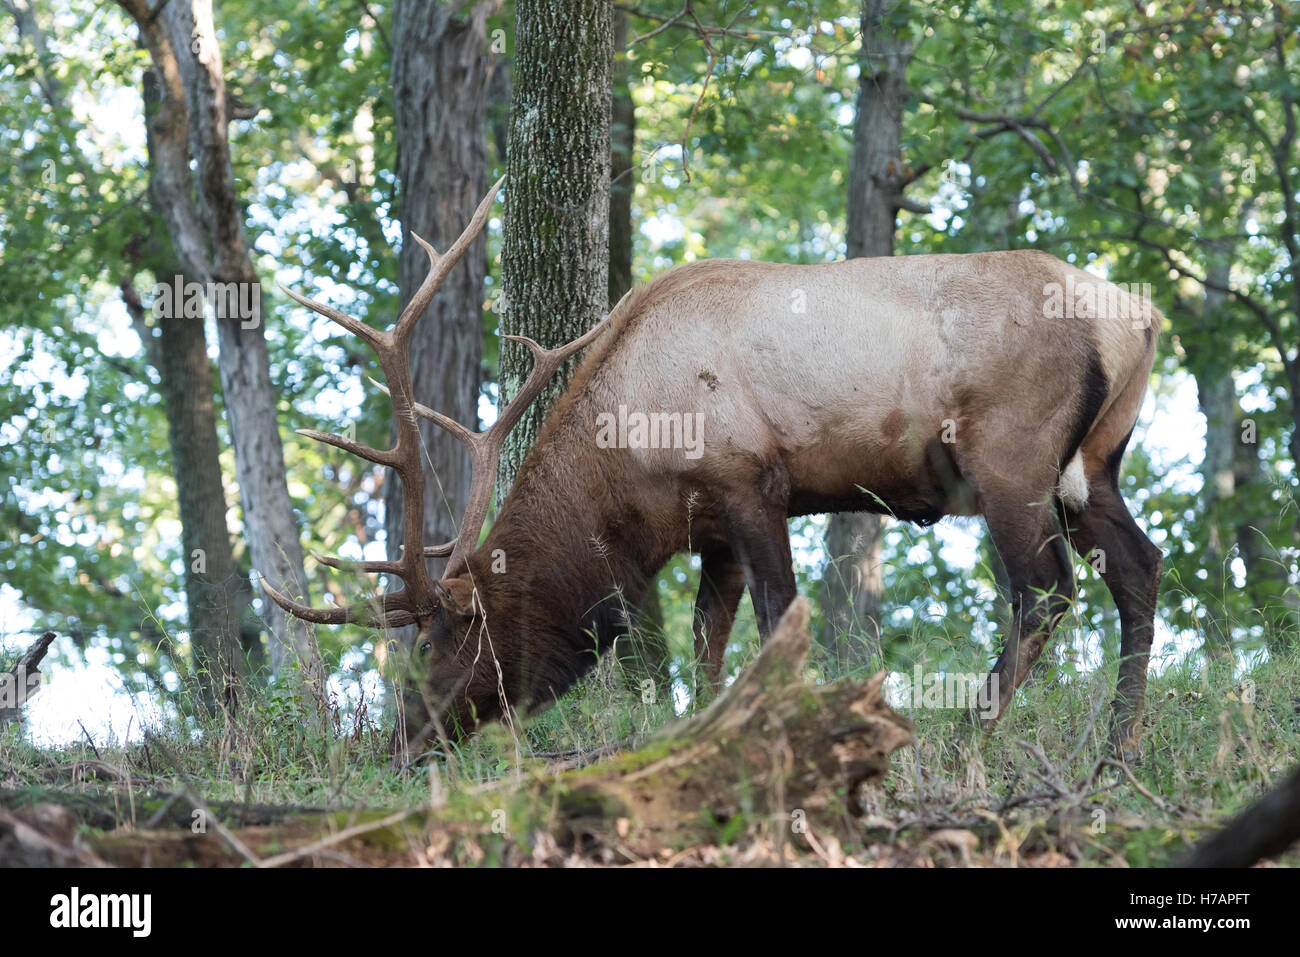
[[846, 370]]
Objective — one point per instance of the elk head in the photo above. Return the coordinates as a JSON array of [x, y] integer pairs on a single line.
[[454, 682]]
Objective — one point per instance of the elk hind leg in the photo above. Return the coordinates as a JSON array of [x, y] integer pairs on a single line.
[[1130, 565]]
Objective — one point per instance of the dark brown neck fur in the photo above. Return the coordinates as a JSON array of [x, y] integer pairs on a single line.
[[578, 551]]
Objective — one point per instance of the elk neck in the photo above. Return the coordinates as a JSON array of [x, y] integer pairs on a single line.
[[574, 545]]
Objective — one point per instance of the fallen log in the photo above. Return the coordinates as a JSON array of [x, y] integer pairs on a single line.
[[20, 683], [43, 836], [773, 756], [1265, 829]]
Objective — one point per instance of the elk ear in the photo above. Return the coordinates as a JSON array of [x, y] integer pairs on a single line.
[[457, 596]]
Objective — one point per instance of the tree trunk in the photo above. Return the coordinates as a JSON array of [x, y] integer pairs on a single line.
[[269, 523], [853, 584], [215, 592], [555, 256], [212, 584], [214, 595], [440, 79], [852, 589], [206, 226], [1217, 397], [622, 182]]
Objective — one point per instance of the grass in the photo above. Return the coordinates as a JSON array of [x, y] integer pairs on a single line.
[[1035, 790]]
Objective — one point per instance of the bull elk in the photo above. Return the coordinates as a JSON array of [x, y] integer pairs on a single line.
[[921, 386]]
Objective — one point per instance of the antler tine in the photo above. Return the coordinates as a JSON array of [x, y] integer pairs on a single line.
[[392, 610], [461, 432], [379, 457], [368, 566], [545, 363], [561, 353], [441, 264], [354, 326]]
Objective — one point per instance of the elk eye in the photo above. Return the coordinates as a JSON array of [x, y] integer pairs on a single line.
[[427, 646]]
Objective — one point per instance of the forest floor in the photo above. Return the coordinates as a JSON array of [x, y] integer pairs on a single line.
[[263, 789]]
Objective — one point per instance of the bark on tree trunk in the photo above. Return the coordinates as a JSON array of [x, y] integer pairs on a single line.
[[852, 589], [206, 226], [622, 182], [215, 595], [440, 79], [269, 524], [555, 256], [853, 582], [1217, 397]]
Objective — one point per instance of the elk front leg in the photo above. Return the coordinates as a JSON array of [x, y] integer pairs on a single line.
[[721, 583], [760, 542]]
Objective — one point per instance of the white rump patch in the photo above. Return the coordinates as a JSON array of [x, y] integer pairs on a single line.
[[1073, 486]]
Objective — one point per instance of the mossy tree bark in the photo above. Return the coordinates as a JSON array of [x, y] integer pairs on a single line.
[[555, 256]]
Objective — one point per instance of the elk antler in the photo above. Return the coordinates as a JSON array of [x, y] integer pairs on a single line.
[[393, 349], [485, 447], [419, 598]]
